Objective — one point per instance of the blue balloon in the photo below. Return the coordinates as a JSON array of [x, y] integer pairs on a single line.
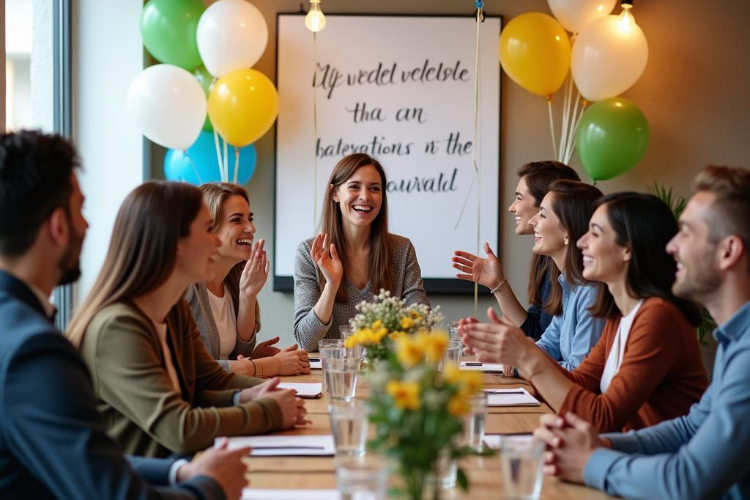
[[199, 163]]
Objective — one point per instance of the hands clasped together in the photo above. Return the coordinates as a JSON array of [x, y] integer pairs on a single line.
[[292, 408]]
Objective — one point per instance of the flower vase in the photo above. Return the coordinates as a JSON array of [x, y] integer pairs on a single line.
[[428, 485]]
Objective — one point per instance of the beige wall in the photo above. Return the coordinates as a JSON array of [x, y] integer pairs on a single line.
[[695, 93]]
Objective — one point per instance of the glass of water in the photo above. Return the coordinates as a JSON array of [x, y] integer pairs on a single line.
[[347, 331], [452, 354], [453, 330], [362, 478], [474, 421], [340, 377], [329, 350], [323, 343], [350, 426], [521, 460]]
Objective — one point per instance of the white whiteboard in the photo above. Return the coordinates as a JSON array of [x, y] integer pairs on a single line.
[[390, 63]]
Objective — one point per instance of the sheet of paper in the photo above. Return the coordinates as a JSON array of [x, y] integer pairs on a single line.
[[517, 396], [493, 440], [281, 446], [304, 389], [256, 494], [482, 367]]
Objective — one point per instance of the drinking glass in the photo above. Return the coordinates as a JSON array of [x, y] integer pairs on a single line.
[[452, 354], [362, 478], [521, 460], [347, 331], [474, 422], [350, 426], [329, 350], [453, 330], [323, 343], [340, 377]]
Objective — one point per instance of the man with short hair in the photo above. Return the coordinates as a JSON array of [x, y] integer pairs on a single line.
[[52, 440], [705, 454]]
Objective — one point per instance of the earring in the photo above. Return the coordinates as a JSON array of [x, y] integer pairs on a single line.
[[566, 241]]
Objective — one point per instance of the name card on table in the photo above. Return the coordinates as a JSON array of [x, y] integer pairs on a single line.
[[310, 390], [481, 367], [256, 494], [510, 397], [285, 446]]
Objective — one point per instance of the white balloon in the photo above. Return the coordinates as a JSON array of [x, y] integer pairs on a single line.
[[232, 34], [168, 105], [575, 15], [608, 57]]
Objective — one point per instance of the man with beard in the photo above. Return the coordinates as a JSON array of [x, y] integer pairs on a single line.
[[52, 440], [705, 454]]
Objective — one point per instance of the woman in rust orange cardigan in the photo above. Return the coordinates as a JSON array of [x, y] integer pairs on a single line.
[[647, 367]]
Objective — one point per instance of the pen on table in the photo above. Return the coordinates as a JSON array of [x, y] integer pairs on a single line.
[[287, 448], [472, 363], [490, 391]]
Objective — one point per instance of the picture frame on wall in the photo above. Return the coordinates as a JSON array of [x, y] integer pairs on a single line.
[[400, 88]]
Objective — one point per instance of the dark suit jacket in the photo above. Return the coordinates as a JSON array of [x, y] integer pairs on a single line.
[[52, 440]]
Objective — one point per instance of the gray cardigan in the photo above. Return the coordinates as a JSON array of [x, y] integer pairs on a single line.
[[197, 297], [308, 329]]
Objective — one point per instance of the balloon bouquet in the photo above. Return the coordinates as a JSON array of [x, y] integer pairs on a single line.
[[204, 97], [605, 55]]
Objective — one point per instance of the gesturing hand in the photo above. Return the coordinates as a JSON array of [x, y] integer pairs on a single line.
[[255, 273], [325, 256], [222, 465], [487, 272], [498, 342], [266, 349]]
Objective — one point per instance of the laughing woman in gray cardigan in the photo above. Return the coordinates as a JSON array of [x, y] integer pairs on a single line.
[[226, 310], [354, 257]]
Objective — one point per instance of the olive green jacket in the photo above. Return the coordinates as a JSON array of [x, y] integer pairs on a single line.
[[141, 409]]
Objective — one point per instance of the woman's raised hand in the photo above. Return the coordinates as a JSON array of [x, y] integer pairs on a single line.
[[326, 257], [255, 273], [487, 272]]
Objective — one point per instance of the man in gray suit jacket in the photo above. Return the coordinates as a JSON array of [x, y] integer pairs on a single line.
[[52, 440]]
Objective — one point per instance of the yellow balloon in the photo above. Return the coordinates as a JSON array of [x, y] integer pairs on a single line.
[[535, 52], [243, 105]]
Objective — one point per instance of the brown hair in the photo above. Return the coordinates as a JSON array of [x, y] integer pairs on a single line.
[[538, 176], [143, 249], [573, 204], [331, 223], [645, 224], [215, 194], [730, 210]]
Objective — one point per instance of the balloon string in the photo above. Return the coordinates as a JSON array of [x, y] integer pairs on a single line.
[[315, 131], [551, 126], [236, 163], [477, 169], [218, 154], [566, 119], [572, 143], [226, 161], [192, 164]]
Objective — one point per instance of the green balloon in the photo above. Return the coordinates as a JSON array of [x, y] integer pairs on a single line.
[[611, 138], [206, 79], [168, 29]]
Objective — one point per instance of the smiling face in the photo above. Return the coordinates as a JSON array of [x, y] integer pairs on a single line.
[[523, 208], [603, 259], [698, 272], [549, 235], [360, 197], [197, 253], [236, 230]]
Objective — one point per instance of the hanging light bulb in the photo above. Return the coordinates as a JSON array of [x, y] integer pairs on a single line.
[[315, 20], [626, 21]]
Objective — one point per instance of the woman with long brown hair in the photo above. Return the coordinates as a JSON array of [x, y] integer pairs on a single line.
[[534, 181], [354, 255], [159, 390], [563, 218], [226, 307], [647, 366]]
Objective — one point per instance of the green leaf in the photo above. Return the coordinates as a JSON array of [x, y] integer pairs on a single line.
[[462, 480]]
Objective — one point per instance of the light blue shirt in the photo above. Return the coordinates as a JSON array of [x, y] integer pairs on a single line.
[[705, 454], [571, 335]]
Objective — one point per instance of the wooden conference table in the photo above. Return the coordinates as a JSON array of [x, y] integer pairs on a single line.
[[484, 473]]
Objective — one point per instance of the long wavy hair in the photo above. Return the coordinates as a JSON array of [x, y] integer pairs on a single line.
[[143, 249], [573, 204], [644, 224], [215, 194], [331, 223], [538, 176]]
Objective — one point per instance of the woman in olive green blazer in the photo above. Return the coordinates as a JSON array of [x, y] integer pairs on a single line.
[[159, 389]]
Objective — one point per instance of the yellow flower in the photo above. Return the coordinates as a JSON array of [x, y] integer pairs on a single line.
[[378, 335], [407, 323], [396, 335], [472, 381], [405, 394], [458, 405], [377, 325], [433, 344], [453, 374], [409, 352]]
